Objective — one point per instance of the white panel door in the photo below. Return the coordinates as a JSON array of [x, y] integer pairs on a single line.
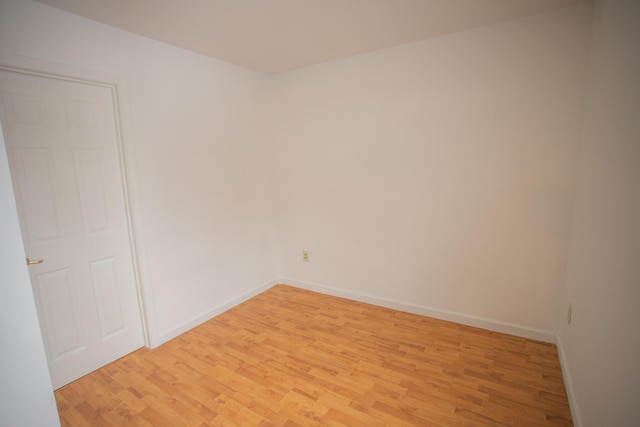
[[62, 142]]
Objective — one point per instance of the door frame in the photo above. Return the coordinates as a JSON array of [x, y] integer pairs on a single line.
[[46, 69]]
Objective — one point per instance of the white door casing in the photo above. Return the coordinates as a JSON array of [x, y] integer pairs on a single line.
[[63, 146]]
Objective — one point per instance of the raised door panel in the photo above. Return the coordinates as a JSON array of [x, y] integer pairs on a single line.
[[56, 298], [90, 181], [35, 176], [104, 277]]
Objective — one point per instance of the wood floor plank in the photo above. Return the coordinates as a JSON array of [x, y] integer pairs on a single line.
[[290, 357]]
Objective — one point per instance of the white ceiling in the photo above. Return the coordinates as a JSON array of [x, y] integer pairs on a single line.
[[280, 35]]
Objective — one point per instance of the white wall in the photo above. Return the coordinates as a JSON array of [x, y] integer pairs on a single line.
[[439, 174], [601, 346], [198, 168], [26, 397]]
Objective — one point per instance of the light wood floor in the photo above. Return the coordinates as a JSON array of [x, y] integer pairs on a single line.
[[291, 357]]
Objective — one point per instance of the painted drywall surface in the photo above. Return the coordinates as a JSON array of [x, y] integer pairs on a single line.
[[439, 173], [210, 218], [26, 395], [601, 346], [201, 202]]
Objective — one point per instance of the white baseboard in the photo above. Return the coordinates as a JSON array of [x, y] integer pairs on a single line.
[[568, 384], [464, 319], [211, 313]]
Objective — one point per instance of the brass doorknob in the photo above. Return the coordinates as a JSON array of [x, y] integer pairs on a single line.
[[36, 261]]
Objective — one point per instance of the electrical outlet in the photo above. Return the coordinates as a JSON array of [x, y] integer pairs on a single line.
[[569, 314], [305, 256]]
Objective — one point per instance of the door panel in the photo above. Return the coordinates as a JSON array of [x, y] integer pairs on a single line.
[[104, 278], [93, 202], [34, 174], [62, 142], [59, 309]]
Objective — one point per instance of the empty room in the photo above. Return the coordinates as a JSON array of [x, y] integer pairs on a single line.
[[305, 212]]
